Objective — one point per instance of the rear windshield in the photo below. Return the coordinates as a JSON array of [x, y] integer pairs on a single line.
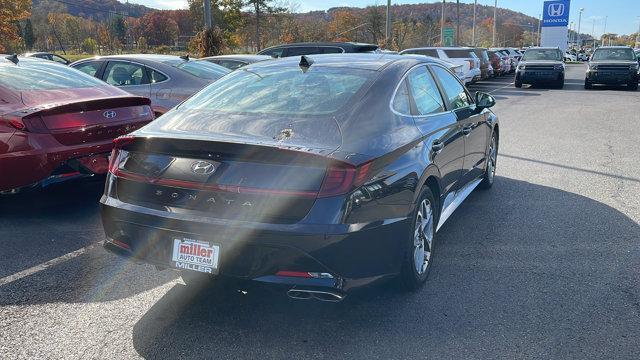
[[278, 90], [614, 54], [44, 75], [201, 68], [458, 53], [542, 54]]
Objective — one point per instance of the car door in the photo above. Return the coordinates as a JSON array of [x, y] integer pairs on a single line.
[[129, 76], [445, 143], [473, 123]]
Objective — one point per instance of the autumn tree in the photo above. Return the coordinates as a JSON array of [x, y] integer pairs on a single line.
[[118, 28], [343, 26], [262, 7], [375, 20], [12, 11], [158, 28], [28, 36]]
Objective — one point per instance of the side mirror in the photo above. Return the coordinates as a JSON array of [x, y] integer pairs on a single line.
[[484, 101]]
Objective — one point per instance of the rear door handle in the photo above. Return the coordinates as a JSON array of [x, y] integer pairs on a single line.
[[467, 129], [437, 146]]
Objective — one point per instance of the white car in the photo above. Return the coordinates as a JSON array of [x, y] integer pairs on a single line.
[[457, 69], [583, 57], [570, 57], [468, 62]]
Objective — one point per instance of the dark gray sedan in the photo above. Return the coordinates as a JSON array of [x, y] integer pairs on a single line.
[[166, 79], [235, 61]]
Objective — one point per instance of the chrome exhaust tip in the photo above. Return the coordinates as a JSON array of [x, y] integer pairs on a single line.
[[321, 295]]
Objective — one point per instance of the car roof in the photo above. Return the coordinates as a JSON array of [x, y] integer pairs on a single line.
[[144, 57], [615, 47], [365, 61], [543, 48], [350, 45], [21, 59]]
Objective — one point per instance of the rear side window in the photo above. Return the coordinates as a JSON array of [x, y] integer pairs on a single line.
[[454, 92], [282, 91], [156, 76], [425, 92], [120, 73], [401, 101], [458, 54], [39, 75], [90, 68]]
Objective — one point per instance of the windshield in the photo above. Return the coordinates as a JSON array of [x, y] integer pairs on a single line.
[[614, 54], [201, 68], [279, 90], [542, 54], [44, 75]]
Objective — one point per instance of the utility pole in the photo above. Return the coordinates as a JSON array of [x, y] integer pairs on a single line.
[[388, 33], [495, 20], [207, 14], [593, 33], [442, 26], [579, 41], [457, 22], [473, 33]]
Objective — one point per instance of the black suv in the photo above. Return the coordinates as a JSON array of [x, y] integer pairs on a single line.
[[313, 48], [541, 65], [613, 65]]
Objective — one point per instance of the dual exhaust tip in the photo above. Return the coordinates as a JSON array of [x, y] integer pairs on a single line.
[[321, 295]]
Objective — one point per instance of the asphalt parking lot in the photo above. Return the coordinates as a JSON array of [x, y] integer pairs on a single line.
[[546, 264]]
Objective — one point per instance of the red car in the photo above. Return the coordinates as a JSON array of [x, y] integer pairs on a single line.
[[57, 123]]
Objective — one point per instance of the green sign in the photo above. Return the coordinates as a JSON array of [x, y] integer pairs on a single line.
[[448, 36]]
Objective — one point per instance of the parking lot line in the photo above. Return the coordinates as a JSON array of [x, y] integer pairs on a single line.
[[45, 265], [500, 88]]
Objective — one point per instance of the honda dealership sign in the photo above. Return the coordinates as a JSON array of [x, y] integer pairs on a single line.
[[555, 22]]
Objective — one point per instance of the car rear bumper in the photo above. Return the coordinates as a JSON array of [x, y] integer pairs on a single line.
[[354, 255], [41, 160]]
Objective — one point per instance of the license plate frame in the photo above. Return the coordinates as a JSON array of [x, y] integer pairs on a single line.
[[195, 255]]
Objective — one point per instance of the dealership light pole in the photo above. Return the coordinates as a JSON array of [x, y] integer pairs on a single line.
[[473, 32], [579, 41], [604, 31], [495, 19], [388, 33], [638, 33]]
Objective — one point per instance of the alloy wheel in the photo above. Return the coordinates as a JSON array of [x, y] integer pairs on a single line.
[[423, 237]]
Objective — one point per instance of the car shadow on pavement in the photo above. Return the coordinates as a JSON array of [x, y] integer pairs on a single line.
[[519, 269]]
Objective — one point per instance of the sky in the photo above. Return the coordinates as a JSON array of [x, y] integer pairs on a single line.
[[622, 16]]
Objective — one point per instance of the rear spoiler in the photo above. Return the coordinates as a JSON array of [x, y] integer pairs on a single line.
[[84, 105]]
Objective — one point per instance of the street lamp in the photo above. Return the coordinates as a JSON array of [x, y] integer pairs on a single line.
[[638, 33], [579, 23]]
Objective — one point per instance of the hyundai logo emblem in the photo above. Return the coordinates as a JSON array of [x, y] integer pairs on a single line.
[[110, 114], [203, 168], [556, 9]]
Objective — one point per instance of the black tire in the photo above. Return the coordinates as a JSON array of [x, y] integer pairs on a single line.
[[632, 86], [560, 84], [518, 83], [410, 278], [587, 85], [492, 161]]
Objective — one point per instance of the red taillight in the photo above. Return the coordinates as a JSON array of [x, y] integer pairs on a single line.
[[300, 274], [17, 124], [342, 179]]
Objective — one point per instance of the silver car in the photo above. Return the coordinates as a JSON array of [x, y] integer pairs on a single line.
[[166, 79]]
